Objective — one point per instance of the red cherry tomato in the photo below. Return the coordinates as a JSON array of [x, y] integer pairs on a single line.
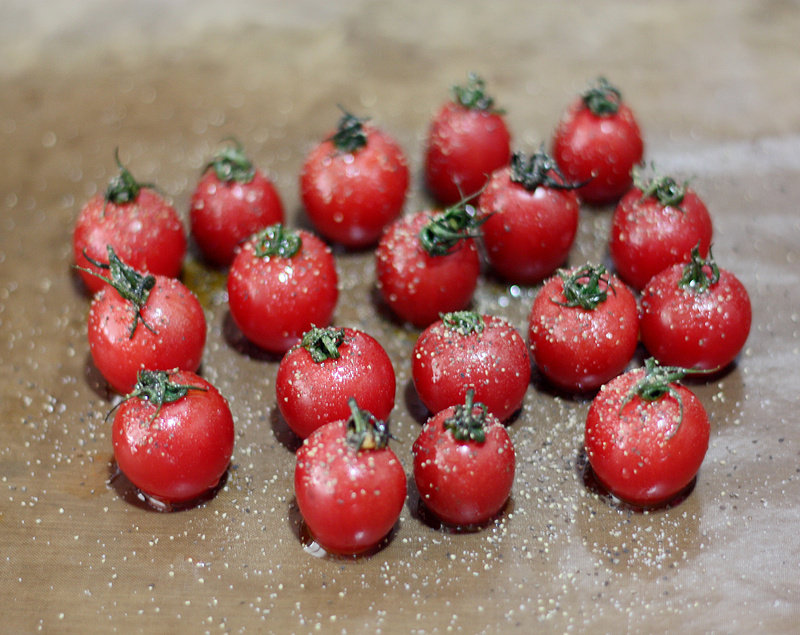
[[464, 463], [646, 436], [231, 201], [597, 142], [467, 141], [280, 284], [317, 378], [173, 436], [350, 486], [465, 351], [354, 183], [695, 315], [583, 328]]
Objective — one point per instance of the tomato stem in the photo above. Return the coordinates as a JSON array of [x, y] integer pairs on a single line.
[[445, 230], [473, 95], [667, 191], [323, 343], [694, 276], [155, 387], [350, 134], [582, 287], [123, 188], [231, 164], [364, 430], [466, 424], [277, 240], [463, 322], [602, 98], [539, 169]]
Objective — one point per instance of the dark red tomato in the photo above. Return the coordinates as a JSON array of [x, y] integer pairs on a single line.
[[656, 225], [281, 283], [464, 463], [467, 141], [143, 322], [646, 436], [231, 202], [354, 183], [695, 315], [349, 485], [583, 328], [318, 377], [173, 436], [532, 218], [597, 142], [427, 264], [465, 351], [137, 222]]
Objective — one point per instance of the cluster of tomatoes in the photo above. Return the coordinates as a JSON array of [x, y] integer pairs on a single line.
[[646, 434]]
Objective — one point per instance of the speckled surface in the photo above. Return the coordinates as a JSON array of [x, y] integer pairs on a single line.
[[714, 86]]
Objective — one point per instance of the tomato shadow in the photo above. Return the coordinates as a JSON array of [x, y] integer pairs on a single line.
[[418, 410], [95, 380], [544, 386], [282, 432], [237, 341]]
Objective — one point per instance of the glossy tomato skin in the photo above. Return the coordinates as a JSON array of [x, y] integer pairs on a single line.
[[417, 286], [637, 450], [647, 237], [184, 451], [146, 233], [494, 362], [311, 394], [177, 338], [350, 197], [580, 349], [275, 299], [463, 482], [350, 499], [528, 233], [694, 329]]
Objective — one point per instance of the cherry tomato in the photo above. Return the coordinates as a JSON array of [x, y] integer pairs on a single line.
[[140, 321], [317, 378], [656, 225], [646, 436], [467, 141], [465, 351], [532, 218], [350, 486], [173, 436], [597, 142], [144, 230], [464, 463], [231, 201], [583, 328], [354, 183], [695, 315], [281, 283]]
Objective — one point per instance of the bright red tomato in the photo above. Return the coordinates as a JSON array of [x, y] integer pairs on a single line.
[[350, 486], [583, 328], [281, 283], [597, 142], [318, 377], [140, 321], [137, 222], [173, 436], [465, 351], [646, 436], [532, 218], [231, 201], [354, 183], [467, 141], [464, 464], [656, 225], [695, 315]]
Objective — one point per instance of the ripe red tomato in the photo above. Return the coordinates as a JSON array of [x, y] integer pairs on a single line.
[[317, 378], [464, 463], [656, 225], [173, 436], [354, 183], [281, 283], [140, 321], [532, 218], [465, 351], [597, 142], [695, 315], [350, 486], [467, 141], [427, 264], [137, 222], [231, 201], [646, 436], [583, 328]]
